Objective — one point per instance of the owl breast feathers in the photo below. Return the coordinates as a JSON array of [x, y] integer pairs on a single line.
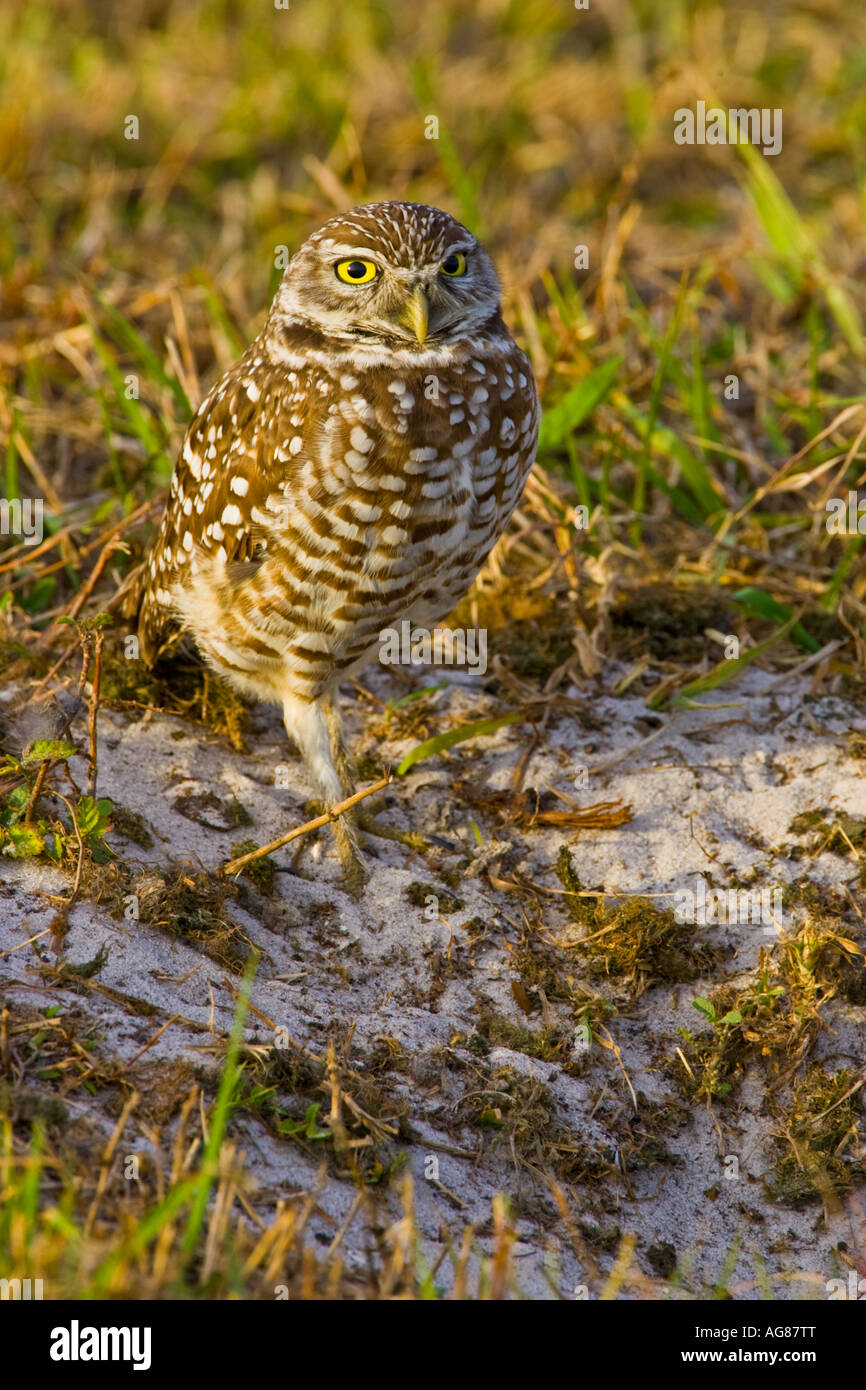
[[355, 467]]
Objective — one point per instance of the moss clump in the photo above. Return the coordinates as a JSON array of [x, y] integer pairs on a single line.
[[548, 1044], [262, 873], [823, 1141], [839, 833], [215, 812], [632, 939], [847, 828], [87, 969], [476, 929], [746, 1022], [132, 826], [852, 982], [193, 907], [807, 820], [518, 1112], [418, 893], [369, 768], [22, 1105]]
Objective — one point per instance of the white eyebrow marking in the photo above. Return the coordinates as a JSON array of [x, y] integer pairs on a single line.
[[339, 249]]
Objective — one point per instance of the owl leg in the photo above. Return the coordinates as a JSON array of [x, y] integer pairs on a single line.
[[306, 723], [362, 815], [339, 756]]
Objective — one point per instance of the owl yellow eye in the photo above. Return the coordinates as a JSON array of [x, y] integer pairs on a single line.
[[356, 272], [455, 264]]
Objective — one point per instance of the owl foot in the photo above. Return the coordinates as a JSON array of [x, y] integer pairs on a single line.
[[355, 877], [371, 825], [355, 873]]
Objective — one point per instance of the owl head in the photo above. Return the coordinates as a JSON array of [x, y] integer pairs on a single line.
[[400, 274]]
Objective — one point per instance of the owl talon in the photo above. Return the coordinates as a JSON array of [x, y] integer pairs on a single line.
[[355, 875], [371, 825]]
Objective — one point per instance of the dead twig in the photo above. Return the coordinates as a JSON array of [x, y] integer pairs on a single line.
[[99, 638], [235, 865]]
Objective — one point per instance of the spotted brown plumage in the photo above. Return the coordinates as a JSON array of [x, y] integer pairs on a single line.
[[349, 472]]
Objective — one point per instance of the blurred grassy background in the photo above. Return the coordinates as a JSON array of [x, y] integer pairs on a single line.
[[155, 255]]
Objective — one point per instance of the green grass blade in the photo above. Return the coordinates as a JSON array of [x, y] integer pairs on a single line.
[[787, 234], [659, 378], [221, 1112], [132, 408], [831, 594], [436, 745], [128, 337], [142, 1234], [764, 606], [578, 403], [416, 695], [722, 673], [665, 441]]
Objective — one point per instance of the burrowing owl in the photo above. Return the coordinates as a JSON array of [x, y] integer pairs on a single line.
[[350, 472]]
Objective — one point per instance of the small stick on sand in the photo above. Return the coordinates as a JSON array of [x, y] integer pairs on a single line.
[[235, 865]]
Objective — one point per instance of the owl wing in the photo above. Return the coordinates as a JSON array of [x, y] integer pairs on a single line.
[[241, 449]]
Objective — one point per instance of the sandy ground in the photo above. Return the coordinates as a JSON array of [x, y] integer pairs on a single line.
[[713, 795]]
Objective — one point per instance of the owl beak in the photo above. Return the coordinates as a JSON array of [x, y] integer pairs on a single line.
[[416, 314]]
